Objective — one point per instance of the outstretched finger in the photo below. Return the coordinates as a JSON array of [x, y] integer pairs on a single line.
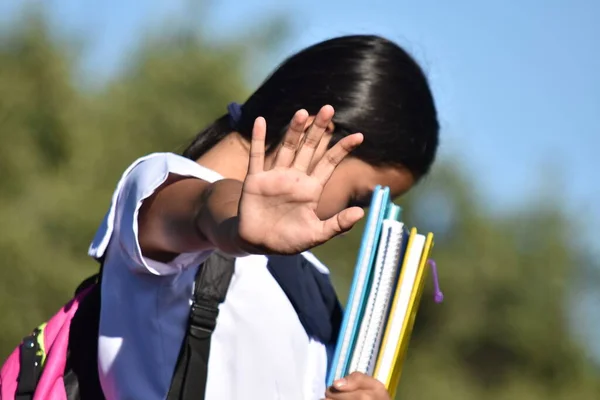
[[334, 156], [340, 223], [312, 138], [257, 146], [287, 151]]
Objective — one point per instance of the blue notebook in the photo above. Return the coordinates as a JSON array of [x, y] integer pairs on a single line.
[[383, 282], [360, 284]]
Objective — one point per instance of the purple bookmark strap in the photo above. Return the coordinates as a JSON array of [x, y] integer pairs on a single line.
[[438, 295]]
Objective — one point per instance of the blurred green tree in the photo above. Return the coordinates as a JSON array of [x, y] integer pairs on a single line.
[[502, 333], [38, 105], [64, 149]]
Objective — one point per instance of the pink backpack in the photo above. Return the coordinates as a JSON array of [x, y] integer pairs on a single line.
[[59, 360], [46, 365]]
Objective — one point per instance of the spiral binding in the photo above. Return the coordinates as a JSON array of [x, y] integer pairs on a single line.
[[372, 326]]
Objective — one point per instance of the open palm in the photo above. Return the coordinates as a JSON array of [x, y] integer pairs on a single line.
[[277, 210]]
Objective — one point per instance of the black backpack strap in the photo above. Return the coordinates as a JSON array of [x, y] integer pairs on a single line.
[[31, 367], [211, 285], [81, 370], [95, 279]]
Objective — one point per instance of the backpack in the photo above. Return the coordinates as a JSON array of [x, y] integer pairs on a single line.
[[58, 360]]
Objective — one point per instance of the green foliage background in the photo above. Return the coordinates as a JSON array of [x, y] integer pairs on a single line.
[[502, 332]]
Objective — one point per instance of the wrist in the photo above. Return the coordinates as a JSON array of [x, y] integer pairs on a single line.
[[240, 247], [243, 246], [216, 216]]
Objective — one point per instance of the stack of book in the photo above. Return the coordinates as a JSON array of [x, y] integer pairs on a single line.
[[384, 297]]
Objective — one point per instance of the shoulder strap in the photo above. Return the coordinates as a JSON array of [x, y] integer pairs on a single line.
[[92, 280], [30, 367], [81, 378], [211, 285]]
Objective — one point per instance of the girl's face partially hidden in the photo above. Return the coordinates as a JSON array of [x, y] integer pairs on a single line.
[[352, 184]]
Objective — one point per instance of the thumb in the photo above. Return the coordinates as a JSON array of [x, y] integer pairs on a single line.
[[352, 382], [341, 222]]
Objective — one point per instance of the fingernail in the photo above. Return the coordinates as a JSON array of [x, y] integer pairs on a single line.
[[340, 383]]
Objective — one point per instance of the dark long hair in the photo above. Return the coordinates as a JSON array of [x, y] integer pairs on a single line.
[[375, 86]]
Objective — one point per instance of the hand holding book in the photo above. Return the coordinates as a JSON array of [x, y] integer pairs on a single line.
[[357, 386]]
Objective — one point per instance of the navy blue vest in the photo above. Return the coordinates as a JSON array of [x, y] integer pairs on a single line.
[[312, 295]]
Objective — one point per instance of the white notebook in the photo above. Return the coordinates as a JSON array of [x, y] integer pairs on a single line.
[[388, 353], [385, 276]]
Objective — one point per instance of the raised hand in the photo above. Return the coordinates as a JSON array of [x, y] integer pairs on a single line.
[[277, 210]]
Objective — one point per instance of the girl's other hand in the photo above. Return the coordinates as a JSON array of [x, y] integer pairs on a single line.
[[357, 386], [277, 209]]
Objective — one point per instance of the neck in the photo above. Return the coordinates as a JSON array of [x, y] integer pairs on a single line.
[[229, 157]]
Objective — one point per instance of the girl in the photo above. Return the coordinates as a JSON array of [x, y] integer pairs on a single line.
[[252, 184]]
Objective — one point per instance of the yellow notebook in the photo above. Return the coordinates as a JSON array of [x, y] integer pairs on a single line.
[[404, 309]]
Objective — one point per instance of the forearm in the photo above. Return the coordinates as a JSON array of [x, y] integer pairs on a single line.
[[188, 215]]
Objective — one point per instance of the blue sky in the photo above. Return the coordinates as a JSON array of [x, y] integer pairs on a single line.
[[517, 82]]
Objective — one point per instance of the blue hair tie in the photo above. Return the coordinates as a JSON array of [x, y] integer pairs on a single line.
[[235, 113]]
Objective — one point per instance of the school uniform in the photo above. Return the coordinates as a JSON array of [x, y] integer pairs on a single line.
[[275, 328]]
